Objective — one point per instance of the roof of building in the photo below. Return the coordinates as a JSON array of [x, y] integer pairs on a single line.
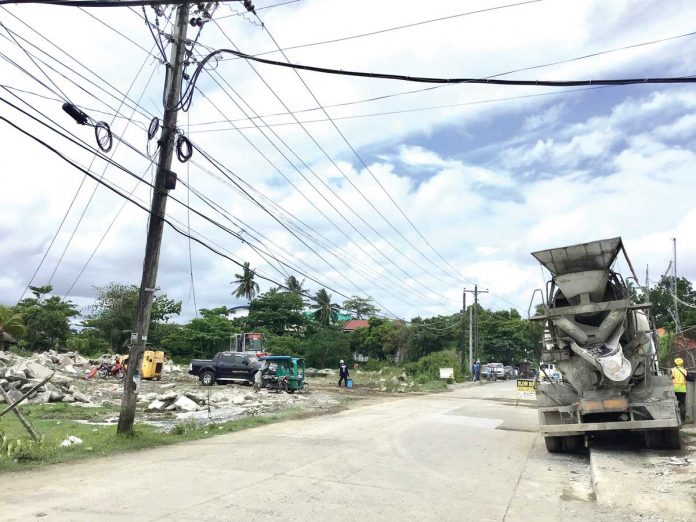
[[355, 323]]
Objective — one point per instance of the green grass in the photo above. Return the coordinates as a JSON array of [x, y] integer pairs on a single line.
[[99, 441]]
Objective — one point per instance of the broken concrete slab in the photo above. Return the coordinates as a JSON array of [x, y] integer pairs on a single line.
[[183, 403], [169, 396], [156, 406], [80, 397]]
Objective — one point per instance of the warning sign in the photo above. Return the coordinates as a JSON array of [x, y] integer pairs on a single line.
[[525, 386]]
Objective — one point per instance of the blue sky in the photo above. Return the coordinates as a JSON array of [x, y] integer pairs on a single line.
[[484, 183]]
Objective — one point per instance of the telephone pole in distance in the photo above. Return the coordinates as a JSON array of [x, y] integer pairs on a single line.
[[473, 324]]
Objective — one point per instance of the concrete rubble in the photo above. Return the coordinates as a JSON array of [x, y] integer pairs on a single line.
[[178, 396]]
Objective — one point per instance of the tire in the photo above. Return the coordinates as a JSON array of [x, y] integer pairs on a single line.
[[670, 439], [290, 391], [207, 378], [121, 374], [573, 444], [554, 444]]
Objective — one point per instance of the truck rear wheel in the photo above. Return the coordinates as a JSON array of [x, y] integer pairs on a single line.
[[554, 444], [207, 378]]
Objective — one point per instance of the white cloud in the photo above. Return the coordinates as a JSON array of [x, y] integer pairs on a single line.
[[573, 171]]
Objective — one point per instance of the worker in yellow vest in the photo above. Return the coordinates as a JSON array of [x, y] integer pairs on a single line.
[[679, 378]]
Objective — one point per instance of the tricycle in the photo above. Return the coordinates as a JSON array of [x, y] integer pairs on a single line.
[[283, 373]]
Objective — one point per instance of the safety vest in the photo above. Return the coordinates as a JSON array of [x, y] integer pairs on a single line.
[[679, 379]]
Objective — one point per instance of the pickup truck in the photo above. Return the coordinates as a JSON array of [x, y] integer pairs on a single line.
[[225, 367]]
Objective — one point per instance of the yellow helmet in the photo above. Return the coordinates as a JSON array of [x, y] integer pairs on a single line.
[[679, 361]]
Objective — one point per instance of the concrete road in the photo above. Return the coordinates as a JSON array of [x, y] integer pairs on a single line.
[[469, 454]]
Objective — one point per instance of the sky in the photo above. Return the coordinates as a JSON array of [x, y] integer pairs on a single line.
[[408, 194]]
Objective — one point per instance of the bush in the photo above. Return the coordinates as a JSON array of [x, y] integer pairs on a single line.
[[427, 368]]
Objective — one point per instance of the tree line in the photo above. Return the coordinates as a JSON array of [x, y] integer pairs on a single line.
[[292, 323]]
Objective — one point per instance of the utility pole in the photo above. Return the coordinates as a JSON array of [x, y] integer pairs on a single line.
[[172, 89], [473, 346], [463, 317], [677, 327]]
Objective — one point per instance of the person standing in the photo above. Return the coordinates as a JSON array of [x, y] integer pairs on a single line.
[[343, 374], [477, 371], [679, 378]]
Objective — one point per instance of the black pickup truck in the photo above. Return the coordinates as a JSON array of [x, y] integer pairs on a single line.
[[225, 367]]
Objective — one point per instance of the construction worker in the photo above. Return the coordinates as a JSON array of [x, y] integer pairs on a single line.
[[679, 378]]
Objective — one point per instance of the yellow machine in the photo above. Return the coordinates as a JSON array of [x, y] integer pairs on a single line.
[[151, 368]]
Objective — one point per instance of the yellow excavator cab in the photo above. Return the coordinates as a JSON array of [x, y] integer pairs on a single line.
[[151, 368]]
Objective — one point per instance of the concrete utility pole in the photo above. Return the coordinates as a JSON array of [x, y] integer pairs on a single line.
[[463, 316], [472, 328], [677, 326], [172, 89]]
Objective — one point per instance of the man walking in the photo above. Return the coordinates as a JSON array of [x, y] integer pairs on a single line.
[[679, 378], [343, 374]]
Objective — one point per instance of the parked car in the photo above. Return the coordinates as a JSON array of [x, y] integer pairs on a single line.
[[498, 368], [225, 367]]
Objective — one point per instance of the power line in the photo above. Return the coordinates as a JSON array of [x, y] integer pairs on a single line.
[[94, 191], [426, 79], [397, 28], [94, 84], [352, 210], [369, 171], [244, 12], [414, 91], [166, 220]]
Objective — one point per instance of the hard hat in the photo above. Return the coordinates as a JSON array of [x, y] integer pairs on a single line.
[[341, 361], [679, 361]]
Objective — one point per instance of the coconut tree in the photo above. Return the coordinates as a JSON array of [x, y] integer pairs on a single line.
[[246, 286], [324, 310], [294, 285], [11, 323]]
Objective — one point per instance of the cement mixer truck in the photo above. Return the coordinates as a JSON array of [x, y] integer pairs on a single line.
[[603, 344]]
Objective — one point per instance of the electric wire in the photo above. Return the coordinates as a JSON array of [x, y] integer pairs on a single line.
[[166, 220], [96, 187], [186, 98], [306, 166], [397, 28], [414, 91], [369, 171], [137, 104]]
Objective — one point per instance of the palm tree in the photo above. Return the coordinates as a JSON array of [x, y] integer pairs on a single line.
[[325, 311], [294, 285], [246, 286], [11, 323]]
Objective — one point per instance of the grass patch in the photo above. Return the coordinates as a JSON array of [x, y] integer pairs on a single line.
[[18, 451]]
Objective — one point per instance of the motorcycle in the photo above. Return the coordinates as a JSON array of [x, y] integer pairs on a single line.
[[115, 370], [276, 384]]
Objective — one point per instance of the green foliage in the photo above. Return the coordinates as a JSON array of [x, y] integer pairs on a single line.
[[88, 341], [382, 339], [280, 312], [326, 348], [505, 337], [47, 319], [246, 286], [428, 368], [360, 307], [294, 285], [114, 313], [285, 345], [325, 312], [11, 322], [202, 337], [663, 302]]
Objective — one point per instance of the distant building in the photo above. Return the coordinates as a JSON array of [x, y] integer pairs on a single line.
[[354, 324]]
